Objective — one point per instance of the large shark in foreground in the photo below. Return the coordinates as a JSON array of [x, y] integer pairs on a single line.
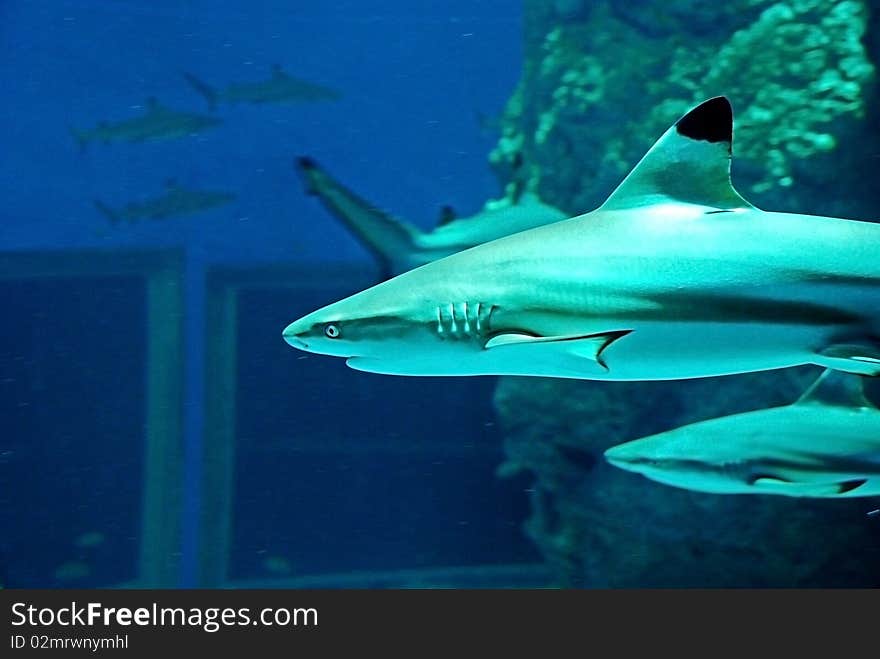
[[827, 444], [157, 123], [674, 276], [398, 245]]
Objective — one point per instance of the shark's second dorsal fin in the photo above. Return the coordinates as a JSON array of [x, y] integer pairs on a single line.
[[689, 164], [836, 388], [447, 215]]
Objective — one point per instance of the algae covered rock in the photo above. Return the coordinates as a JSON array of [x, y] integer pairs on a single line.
[[597, 91], [601, 82]]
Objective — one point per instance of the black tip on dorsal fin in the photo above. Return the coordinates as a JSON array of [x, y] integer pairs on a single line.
[[306, 163], [690, 163], [711, 121]]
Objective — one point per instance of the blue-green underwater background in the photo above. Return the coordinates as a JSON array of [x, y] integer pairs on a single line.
[[155, 429]]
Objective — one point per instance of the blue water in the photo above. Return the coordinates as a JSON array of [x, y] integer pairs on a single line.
[[413, 76], [414, 79]]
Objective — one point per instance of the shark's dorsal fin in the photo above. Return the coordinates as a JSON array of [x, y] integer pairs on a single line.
[[447, 215], [152, 104], [689, 164], [836, 388]]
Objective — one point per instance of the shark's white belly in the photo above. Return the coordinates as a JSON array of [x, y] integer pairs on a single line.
[[661, 351], [651, 351]]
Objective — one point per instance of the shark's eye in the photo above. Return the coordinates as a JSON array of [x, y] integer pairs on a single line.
[[331, 331]]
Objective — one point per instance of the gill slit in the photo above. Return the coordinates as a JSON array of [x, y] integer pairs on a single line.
[[463, 320]]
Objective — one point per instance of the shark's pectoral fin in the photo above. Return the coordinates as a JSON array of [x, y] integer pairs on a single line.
[[588, 346], [776, 485], [851, 358]]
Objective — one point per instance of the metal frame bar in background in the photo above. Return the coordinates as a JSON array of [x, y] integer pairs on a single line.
[[224, 284], [163, 438], [218, 476]]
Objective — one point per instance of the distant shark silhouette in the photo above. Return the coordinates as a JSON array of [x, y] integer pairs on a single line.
[[398, 245], [674, 276], [279, 88], [157, 123], [826, 444], [176, 200]]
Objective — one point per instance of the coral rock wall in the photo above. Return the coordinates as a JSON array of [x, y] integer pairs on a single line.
[[602, 81]]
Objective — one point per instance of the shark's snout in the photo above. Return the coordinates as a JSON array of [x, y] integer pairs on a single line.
[[613, 456], [292, 334], [624, 457]]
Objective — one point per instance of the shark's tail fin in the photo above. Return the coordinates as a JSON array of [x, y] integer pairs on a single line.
[[108, 212], [392, 241], [203, 88], [80, 138]]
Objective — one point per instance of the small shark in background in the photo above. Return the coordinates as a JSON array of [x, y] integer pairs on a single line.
[[176, 200], [674, 276], [399, 246], [280, 88], [826, 444], [157, 123]]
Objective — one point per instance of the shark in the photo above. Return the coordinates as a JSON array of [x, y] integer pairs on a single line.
[[176, 200], [398, 245], [278, 88], [157, 123], [674, 276], [825, 444]]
